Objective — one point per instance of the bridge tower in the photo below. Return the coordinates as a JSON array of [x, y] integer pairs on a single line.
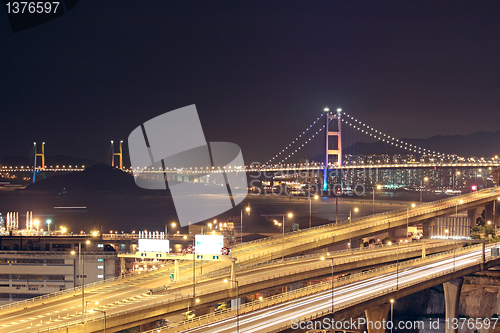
[[333, 143], [119, 154], [42, 155]]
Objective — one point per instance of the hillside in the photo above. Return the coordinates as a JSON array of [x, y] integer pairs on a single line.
[[97, 178]]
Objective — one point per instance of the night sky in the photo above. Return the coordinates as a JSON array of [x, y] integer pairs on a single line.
[[259, 72]]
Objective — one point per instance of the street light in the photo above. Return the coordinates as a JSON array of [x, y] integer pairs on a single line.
[[408, 217], [456, 206], [36, 223], [373, 202], [392, 309], [103, 312], [397, 267], [310, 206], [454, 247], [333, 310], [241, 223], [494, 216], [457, 174], [237, 304], [48, 226], [350, 227], [283, 238], [95, 302], [421, 190], [81, 275]]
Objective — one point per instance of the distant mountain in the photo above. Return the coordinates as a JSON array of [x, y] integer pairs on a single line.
[[10, 160], [479, 144], [97, 178]]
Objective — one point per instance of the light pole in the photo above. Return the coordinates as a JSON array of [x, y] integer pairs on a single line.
[[421, 189], [350, 227], [194, 267], [95, 302], [310, 206], [37, 224], [454, 247], [237, 304], [104, 313], [397, 263], [373, 202], [81, 275], [392, 310], [397, 267], [494, 217], [48, 226], [283, 238], [338, 191], [457, 173], [456, 205], [241, 223], [408, 217], [333, 310]]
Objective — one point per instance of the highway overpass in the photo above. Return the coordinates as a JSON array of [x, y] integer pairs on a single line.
[[131, 292], [368, 292]]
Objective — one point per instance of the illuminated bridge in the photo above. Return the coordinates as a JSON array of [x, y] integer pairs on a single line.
[[332, 159]]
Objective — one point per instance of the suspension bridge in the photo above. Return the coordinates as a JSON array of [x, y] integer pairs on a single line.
[[329, 125]]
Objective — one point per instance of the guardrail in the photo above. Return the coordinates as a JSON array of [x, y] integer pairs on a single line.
[[55, 253], [376, 216], [292, 259], [75, 289], [362, 221]]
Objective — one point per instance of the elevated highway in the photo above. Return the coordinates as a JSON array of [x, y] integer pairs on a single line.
[[132, 292], [350, 298], [129, 303]]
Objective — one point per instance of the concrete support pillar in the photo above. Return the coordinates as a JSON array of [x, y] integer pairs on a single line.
[[147, 326], [488, 212], [400, 232], [122, 266], [176, 270], [375, 315], [356, 243], [497, 213], [392, 233], [473, 214], [427, 227], [452, 291], [484, 252]]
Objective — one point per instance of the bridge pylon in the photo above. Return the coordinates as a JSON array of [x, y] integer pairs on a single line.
[[119, 154], [333, 143], [42, 155]]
